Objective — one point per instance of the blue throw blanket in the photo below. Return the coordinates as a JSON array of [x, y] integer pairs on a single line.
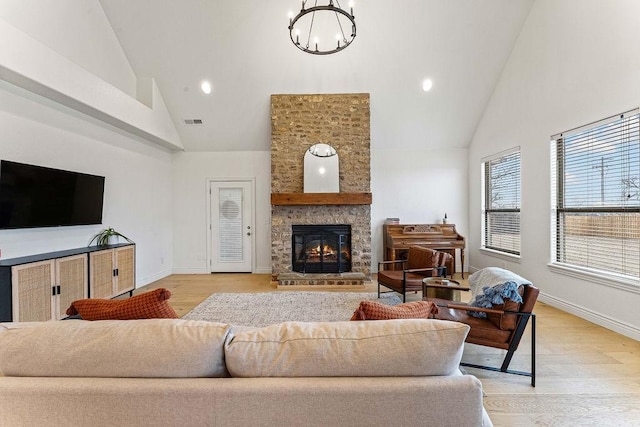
[[491, 286], [495, 295]]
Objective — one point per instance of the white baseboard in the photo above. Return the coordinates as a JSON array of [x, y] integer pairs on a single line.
[[193, 270], [145, 281], [472, 269], [199, 270], [592, 316]]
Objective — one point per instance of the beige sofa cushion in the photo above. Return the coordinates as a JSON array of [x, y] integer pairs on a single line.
[[152, 348], [377, 348]]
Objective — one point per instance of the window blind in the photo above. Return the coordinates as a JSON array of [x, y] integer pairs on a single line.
[[596, 173], [502, 203]]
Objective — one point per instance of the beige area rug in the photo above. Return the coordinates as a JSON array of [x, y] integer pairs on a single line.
[[262, 309]]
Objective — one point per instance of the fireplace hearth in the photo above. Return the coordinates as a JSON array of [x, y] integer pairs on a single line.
[[321, 248]]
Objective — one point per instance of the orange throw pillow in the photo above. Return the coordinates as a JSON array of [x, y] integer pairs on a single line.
[[149, 305], [371, 310]]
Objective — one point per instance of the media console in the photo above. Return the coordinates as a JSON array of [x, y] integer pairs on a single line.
[[41, 287]]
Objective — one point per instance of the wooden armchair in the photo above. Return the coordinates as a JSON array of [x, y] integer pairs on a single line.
[[420, 263], [503, 327]]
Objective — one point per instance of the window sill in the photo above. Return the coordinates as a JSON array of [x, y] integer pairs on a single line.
[[610, 280], [501, 255]]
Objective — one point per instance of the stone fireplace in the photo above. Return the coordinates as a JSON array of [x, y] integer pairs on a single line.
[[297, 123]]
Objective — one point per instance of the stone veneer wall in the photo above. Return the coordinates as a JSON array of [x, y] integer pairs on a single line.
[[298, 122]]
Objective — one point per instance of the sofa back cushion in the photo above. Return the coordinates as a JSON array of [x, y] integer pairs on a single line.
[[150, 348], [378, 348]]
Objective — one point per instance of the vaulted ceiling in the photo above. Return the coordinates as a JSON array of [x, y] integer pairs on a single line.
[[243, 48]]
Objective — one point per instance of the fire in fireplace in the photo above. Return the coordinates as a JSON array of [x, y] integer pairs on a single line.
[[321, 248]]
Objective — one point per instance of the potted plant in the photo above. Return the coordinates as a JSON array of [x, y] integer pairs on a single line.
[[108, 236]]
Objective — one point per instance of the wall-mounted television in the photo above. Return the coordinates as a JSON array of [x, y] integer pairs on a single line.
[[36, 196]]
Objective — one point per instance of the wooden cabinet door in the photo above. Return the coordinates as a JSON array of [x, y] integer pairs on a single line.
[[32, 291], [101, 267], [126, 265], [71, 276]]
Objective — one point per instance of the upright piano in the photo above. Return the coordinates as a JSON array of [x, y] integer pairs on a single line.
[[442, 237]]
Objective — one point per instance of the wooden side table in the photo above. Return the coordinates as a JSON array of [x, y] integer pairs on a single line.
[[438, 287]]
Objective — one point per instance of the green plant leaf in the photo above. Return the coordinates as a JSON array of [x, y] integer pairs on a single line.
[[102, 238]]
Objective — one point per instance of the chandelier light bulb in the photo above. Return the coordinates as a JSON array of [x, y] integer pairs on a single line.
[[427, 84]]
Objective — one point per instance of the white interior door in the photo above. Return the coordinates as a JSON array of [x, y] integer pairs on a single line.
[[231, 226]]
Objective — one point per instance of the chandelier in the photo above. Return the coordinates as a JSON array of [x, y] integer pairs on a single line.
[[312, 29]]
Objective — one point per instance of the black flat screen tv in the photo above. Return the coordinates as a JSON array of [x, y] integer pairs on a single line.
[[35, 196]]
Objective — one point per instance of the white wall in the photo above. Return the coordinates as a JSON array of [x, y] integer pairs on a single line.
[[191, 174], [38, 131], [78, 30], [419, 187], [137, 199], [42, 64], [575, 62]]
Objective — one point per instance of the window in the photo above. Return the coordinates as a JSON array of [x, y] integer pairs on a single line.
[[596, 197], [501, 205]]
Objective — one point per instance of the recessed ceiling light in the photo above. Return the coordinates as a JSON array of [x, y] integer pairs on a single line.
[[206, 87], [427, 84]]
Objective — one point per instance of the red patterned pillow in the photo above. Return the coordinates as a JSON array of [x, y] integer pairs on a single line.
[[371, 310], [149, 305]]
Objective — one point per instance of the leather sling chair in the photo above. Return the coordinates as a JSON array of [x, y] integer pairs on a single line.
[[420, 263], [503, 328]]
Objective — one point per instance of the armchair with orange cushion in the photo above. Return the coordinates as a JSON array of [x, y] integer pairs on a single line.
[[420, 263], [500, 324]]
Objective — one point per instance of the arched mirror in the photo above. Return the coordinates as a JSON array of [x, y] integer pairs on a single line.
[[321, 169]]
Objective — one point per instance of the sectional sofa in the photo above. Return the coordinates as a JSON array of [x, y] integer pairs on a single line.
[[168, 372]]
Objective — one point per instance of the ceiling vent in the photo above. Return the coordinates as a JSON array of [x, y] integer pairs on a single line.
[[193, 121]]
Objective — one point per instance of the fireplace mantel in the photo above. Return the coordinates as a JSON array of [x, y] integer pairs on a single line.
[[289, 199]]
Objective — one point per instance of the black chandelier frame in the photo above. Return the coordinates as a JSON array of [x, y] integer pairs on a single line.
[[328, 8]]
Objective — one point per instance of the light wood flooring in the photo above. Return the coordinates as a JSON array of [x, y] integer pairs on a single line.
[[586, 374]]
